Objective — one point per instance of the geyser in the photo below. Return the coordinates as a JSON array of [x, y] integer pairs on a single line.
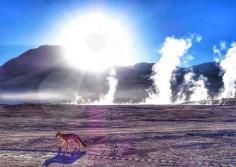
[[171, 52]]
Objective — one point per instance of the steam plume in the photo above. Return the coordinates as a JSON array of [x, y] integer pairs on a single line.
[[228, 65], [193, 90], [112, 83], [171, 52], [77, 99]]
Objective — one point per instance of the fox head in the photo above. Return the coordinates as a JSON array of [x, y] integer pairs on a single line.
[[58, 133]]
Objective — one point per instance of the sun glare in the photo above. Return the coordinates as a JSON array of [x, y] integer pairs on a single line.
[[96, 42]]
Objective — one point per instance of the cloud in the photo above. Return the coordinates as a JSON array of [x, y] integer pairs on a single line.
[[195, 37], [223, 45], [219, 50], [198, 38], [186, 59]]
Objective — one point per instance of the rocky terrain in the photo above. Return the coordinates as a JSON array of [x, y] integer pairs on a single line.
[[125, 136]]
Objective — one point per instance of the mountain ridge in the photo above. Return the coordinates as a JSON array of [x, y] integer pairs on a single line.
[[44, 68]]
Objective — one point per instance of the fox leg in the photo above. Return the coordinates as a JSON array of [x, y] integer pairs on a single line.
[[78, 143], [67, 143], [75, 144], [62, 142], [71, 144]]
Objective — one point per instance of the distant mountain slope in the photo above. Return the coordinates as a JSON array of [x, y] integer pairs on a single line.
[[27, 70], [43, 68]]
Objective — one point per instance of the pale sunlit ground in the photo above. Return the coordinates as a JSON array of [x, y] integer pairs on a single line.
[[121, 135]]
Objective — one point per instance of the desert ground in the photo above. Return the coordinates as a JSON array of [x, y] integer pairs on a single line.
[[121, 136]]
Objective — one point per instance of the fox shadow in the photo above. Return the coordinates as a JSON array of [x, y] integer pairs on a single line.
[[63, 158]]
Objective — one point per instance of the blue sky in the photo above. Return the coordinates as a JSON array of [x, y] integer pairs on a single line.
[[26, 24]]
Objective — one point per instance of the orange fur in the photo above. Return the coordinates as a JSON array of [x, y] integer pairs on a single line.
[[65, 138]]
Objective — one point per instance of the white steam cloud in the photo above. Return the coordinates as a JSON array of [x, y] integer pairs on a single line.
[[112, 83], [171, 52], [197, 37], [32, 96], [228, 65], [193, 90], [218, 51], [186, 59], [77, 99]]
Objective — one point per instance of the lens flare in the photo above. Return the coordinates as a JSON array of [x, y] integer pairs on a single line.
[[96, 41]]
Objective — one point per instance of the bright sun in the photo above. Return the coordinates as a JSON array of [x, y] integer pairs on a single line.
[[96, 42]]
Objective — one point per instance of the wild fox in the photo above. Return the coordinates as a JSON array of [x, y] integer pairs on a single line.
[[65, 138]]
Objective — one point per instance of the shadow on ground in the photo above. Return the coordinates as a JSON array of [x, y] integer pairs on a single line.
[[64, 158]]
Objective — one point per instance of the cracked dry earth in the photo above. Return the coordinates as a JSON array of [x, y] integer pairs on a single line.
[[120, 136]]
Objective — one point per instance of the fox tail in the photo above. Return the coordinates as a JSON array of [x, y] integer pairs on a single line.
[[81, 141]]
